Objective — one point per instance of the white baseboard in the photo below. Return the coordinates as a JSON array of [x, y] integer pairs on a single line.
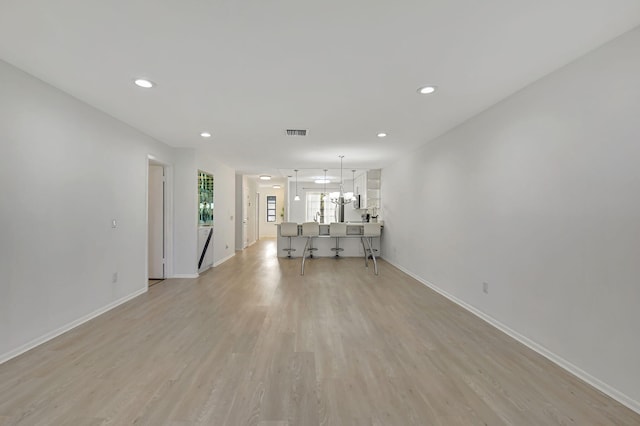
[[73, 324], [568, 366], [185, 275], [202, 271], [221, 261]]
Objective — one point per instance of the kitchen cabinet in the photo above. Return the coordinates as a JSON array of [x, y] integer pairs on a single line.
[[373, 189]]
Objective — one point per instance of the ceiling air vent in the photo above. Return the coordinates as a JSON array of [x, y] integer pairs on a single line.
[[296, 132]]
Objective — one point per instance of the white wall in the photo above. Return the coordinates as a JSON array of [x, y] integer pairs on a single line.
[[539, 197], [185, 210], [240, 237], [247, 193], [66, 171]]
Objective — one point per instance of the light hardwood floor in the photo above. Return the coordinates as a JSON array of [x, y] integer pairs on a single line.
[[253, 342]]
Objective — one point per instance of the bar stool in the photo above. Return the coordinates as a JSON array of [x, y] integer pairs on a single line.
[[309, 230], [337, 230], [370, 231], [289, 229]]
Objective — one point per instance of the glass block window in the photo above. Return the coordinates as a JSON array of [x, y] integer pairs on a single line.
[[271, 208]]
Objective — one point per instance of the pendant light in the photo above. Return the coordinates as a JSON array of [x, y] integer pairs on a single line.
[[353, 184], [324, 185], [297, 197], [323, 198]]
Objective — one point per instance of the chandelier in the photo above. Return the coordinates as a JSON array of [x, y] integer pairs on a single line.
[[340, 198]]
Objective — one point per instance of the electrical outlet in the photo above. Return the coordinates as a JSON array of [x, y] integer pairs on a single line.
[[114, 278], [226, 246], [485, 287]]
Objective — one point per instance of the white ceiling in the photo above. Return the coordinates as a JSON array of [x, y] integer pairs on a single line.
[[305, 176], [344, 69]]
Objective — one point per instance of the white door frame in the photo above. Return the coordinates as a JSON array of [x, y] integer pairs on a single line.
[[157, 264], [168, 217], [257, 216]]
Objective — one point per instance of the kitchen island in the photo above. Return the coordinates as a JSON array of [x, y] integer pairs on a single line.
[[324, 243]]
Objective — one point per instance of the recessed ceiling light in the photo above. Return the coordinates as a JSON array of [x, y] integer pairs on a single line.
[[276, 186], [426, 90], [382, 135], [265, 177], [322, 181], [145, 84], [205, 134]]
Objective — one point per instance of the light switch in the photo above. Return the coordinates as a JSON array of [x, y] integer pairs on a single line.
[[114, 223]]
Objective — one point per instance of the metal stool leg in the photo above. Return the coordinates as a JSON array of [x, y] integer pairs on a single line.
[[366, 254], [373, 256], [289, 250], [311, 248], [304, 255], [337, 249]]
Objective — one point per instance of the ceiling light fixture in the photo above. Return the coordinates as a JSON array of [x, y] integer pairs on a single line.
[[205, 134], [425, 90], [276, 186], [265, 177], [297, 197], [382, 135], [325, 180], [145, 84]]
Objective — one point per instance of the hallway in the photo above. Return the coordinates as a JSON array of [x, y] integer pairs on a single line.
[[254, 342]]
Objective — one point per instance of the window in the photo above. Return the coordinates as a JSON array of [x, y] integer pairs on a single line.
[[313, 209], [271, 208]]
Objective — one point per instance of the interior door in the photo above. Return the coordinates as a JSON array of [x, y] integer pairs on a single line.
[[156, 222]]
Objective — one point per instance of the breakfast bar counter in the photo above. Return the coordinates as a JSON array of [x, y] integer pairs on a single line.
[[351, 244]]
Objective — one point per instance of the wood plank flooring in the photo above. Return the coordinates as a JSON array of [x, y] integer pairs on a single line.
[[153, 282], [252, 342]]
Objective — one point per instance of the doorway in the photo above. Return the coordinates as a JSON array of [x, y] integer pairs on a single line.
[[246, 203], [156, 223], [257, 216]]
